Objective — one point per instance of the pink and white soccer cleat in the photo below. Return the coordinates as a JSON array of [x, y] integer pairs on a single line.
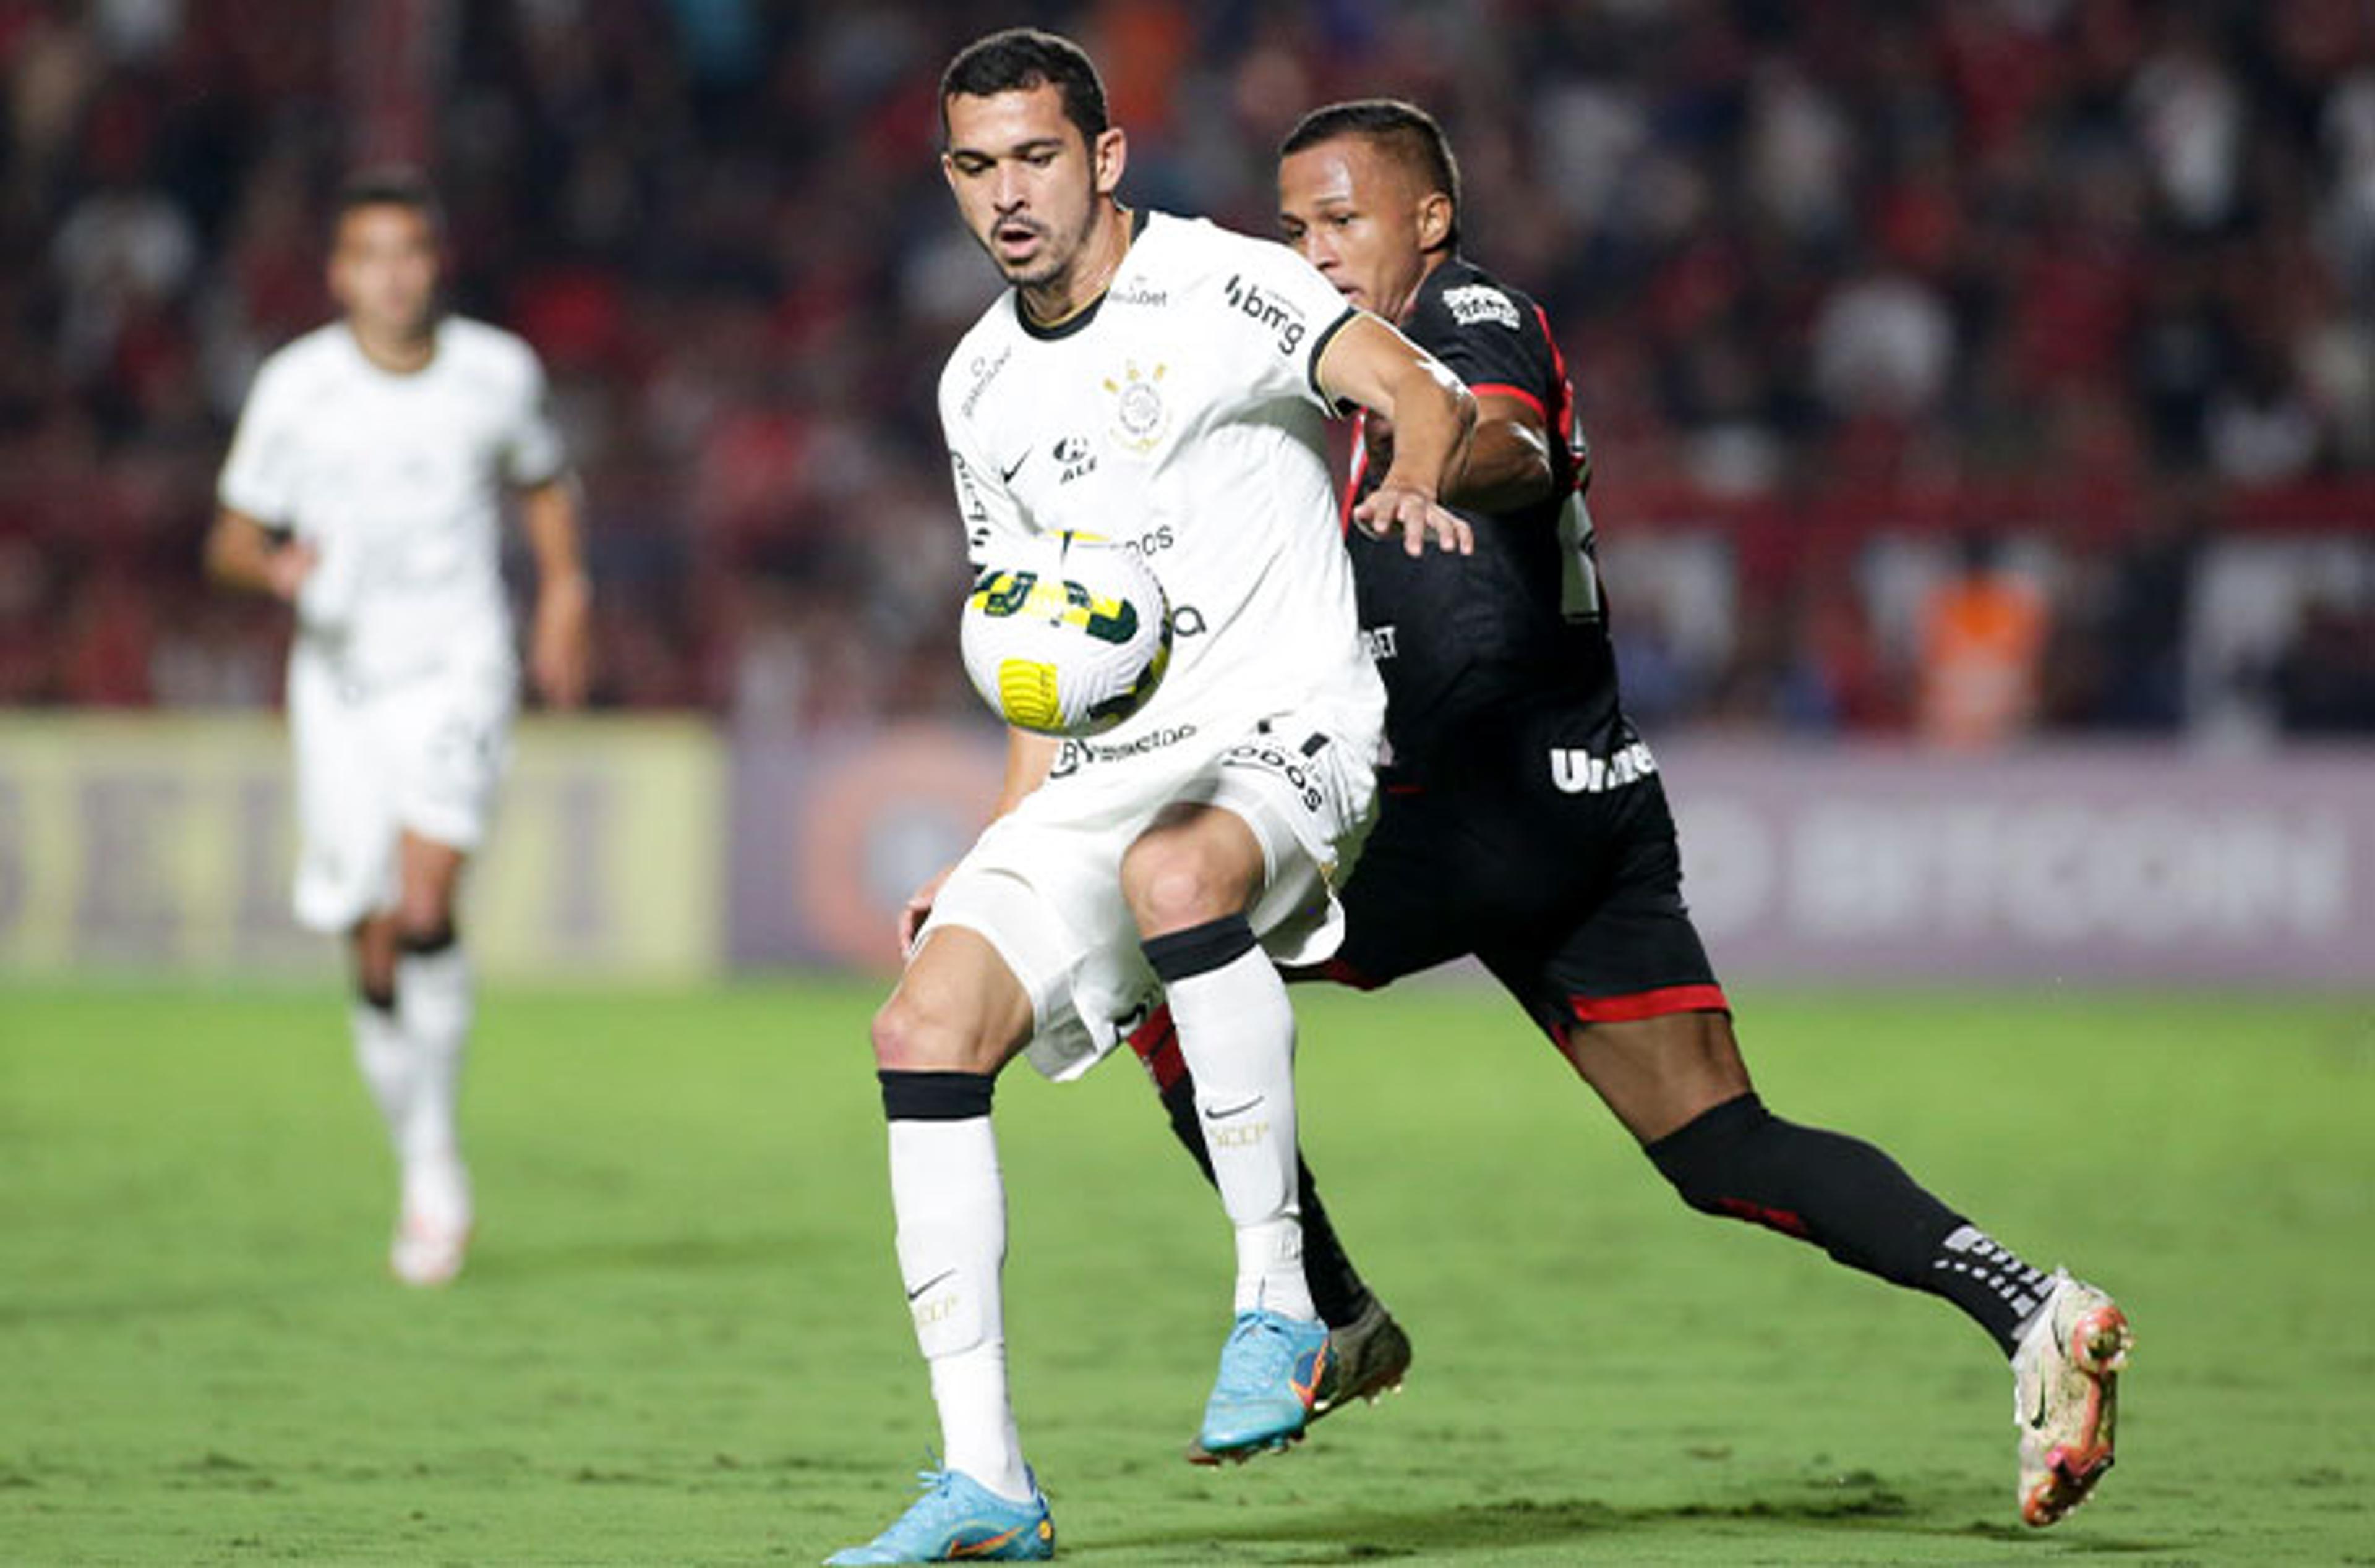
[[2066, 1396]]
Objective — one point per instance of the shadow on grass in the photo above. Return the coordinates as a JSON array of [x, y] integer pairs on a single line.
[[1366, 1535]]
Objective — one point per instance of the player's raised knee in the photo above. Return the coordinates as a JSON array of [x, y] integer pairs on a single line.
[[1172, 884]]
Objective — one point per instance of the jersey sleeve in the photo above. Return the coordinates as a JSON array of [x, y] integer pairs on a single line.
[[533, 451], [1279, 316], [259, 477], [1490, 338]]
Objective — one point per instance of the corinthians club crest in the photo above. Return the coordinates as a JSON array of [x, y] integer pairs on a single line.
[[1140, 416]]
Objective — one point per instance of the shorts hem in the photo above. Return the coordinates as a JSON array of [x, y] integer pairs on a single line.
[[1663, 1002]]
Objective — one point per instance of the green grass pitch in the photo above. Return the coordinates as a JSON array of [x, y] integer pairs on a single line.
[[681, 1339]]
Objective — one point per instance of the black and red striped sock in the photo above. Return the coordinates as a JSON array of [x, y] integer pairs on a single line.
[[1857, 1204]]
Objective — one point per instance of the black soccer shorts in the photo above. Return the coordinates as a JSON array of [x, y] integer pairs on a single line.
[[1571, 899]]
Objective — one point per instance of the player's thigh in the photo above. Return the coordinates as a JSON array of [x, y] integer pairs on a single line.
[[345, 802], [1044, 897], [1307, 793], [958, 1006]]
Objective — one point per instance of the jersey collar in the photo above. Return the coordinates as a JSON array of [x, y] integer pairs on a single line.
[[1086, 314]]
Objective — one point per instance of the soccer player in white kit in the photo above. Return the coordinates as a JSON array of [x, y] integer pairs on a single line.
[[365, 487], [1161, 383]]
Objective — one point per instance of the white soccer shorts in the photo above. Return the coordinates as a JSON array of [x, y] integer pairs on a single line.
[[423, 755], [1042, 883]]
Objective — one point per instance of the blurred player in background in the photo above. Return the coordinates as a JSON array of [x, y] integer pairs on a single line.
[[1166, 382], [1524, 823], [365, 487]]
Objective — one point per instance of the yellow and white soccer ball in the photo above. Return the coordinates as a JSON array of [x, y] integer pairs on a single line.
[[1067, 634]]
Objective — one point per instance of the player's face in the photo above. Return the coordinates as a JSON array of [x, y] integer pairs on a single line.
[[1030, 186], [1358, 214], [384, 269]]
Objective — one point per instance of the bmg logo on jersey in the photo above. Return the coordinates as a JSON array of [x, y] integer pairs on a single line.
[[1266, 309]]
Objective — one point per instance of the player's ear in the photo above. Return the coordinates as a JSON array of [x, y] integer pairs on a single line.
[[1433, 220], [1107, 159]]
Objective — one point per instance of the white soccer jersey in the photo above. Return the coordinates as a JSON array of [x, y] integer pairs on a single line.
[[1180, 415], [398, 479]]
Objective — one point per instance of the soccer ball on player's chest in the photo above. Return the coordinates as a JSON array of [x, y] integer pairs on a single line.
[[1066, 634]]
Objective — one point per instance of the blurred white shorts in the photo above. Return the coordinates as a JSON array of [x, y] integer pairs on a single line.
[[423, 754]]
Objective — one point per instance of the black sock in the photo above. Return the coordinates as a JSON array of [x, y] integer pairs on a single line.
[[1852, 1200], [1337, 1290]]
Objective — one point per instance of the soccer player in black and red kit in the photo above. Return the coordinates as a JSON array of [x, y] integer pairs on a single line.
[[1523, 823]]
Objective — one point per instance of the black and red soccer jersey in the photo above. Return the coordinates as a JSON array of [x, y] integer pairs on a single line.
[[1465, 642]]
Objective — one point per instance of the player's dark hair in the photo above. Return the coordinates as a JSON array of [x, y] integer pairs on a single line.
[[1018, 59], [1404, 131], [387, 185]]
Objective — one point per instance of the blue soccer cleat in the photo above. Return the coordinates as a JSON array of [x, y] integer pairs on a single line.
[[1270, 1372], [1367, 1357], [959, 1520]]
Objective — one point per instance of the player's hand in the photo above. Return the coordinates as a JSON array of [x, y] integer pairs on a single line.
[[918, 909], [1417, 516], [561, 648], [286, 568]]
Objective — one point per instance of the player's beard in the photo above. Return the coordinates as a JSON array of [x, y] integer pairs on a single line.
[[1048, 265]]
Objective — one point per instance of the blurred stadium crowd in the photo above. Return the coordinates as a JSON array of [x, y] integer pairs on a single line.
[[1957, 369]]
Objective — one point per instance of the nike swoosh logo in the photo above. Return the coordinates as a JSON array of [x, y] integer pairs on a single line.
[[1225, 1112], [927, 1284], [1006, 476]]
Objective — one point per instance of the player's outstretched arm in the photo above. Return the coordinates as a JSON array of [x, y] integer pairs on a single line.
[[1508, 464], [243, 552], [1434, 417], [561, 644]]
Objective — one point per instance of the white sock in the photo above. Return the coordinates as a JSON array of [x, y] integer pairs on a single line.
[[435, 1004], [1237, 1031], [385, 1057], [950, 1199]]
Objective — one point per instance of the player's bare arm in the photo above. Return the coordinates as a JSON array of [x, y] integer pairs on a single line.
[[559, 644], [243, 552], [1029, 757], [1508, 466], [1434, 416]]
